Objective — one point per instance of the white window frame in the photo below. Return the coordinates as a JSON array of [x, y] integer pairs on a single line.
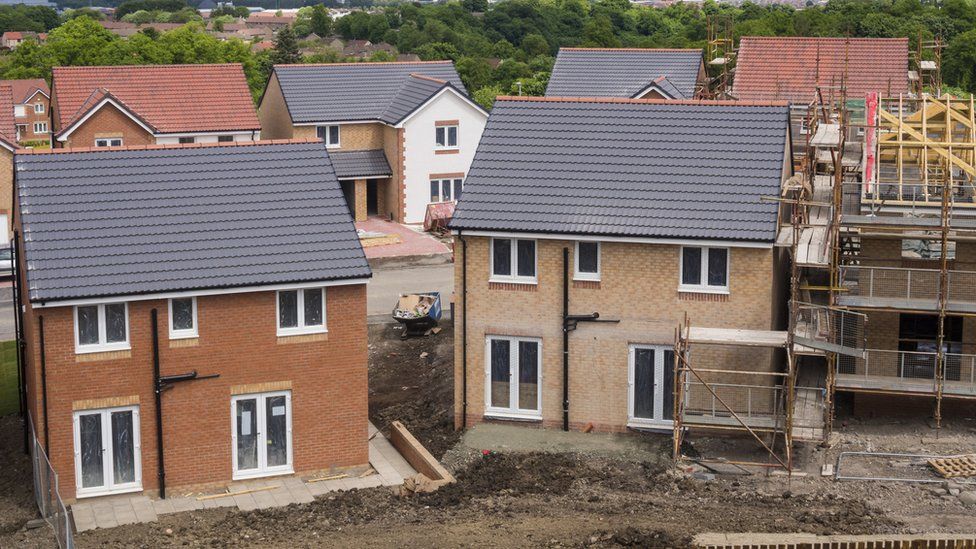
[[804, 127], [513, 278], [659, 366], [579, 275], [20, 111], [261, 411], [447, 146], [102, 345], [513, 375], [450, 182], [110, 487], [301, 328], [703, 286], [40, 127], [328, 135], [39, 108], [108, 142], [184, 334]]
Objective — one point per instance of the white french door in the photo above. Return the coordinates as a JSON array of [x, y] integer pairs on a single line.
[[650, 399], [261, 434], [107, 451]]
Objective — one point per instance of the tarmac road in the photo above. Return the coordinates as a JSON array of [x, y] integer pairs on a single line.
[[390, 280]]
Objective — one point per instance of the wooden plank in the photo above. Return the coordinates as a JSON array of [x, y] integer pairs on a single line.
[[730, 336], [239, 493]]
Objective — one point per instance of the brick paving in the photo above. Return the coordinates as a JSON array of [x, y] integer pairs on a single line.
[[111, 511], [412, 241]]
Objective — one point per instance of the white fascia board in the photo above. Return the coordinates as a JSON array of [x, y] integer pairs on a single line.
[[340, 123], [197, 293], [37, 91], [630, 239], [198, 134], [434, 97], [652, 87], [64, 135]]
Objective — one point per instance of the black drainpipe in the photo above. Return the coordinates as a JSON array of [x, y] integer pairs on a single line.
[[40, 331], [157, 390], [464, 332], [19, 337], [565, 338]]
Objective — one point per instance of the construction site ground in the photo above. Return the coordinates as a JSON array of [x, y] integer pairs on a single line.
[[520, 487]]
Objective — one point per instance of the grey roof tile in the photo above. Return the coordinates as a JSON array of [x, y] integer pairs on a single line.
[[352, 164], [360, 91], [136, 221], [600, 72], [622, 168]]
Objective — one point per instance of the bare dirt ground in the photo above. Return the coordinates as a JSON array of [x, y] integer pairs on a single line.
[[534, 499], [17, 491]]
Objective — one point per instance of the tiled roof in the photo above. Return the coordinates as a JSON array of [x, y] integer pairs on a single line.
[[637, 168], [24, 89], [8, 129], [353, 164], [178, 218], [790, 68], [622, 72], [171, 98], [337, 92]]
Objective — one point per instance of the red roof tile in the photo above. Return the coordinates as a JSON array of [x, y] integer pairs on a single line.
[[8, 130], [24, 89], [791, 68], [12, 35], [170, 98]]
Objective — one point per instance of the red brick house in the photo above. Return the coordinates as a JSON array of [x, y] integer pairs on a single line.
[[32, 110], [158, 104], [183, 326], [8, 144]]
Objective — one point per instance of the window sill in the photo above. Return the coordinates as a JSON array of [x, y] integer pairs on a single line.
[[80, 494], [333, 146], [703, 290], [526, 281], [262, 474], [447, 151], [92, 349], [651, 425], [184, 335], [507, 416], [302, 331], [302, 338]]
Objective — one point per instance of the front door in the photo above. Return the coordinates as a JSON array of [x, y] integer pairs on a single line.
[[107, 451], [262, 434], [651, 386]]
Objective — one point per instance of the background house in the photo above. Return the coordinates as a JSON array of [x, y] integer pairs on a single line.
[[401, 135], [142, 105], [657, 216], [627, 72], [181, 257], [32, 110]]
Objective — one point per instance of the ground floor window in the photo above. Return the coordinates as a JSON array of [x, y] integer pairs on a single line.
[[918, 341], [261, 434], [107, 451], [513, 376], [651, 386]]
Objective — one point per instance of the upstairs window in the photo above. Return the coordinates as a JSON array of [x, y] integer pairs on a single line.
[[225, 139], [20, 110], [187, 140], [109, 142], [704, 269], [329, 135], [513, 260], [301, 311], [587, 261], [446, 137], [40, 127], [39, 108], [183, 318], [103, 327], [445, 190]]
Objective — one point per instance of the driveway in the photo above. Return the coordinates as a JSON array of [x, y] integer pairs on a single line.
[[391, 280]]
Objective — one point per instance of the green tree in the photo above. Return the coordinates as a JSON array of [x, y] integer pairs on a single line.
[[486, 96], [959, 61], [535, 44], [285, 48], [475, 72], [321, 22], [599, 32], [436, 51], [132, 6], [475, 5]]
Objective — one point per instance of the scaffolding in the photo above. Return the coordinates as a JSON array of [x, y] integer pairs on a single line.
[[926, 74], [720, 55]]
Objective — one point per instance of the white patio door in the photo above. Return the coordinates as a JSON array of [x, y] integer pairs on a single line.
[[107, 451], [261, 434], [650, 386]]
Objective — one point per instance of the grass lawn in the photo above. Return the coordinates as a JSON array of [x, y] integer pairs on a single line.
[[9, 403]]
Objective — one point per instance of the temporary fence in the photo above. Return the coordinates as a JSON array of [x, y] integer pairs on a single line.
[[47, 494]]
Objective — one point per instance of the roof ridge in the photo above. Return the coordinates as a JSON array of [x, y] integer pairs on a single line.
[[819, 38], [155, 146], [425, 77], [700, 102], [632, 49], [82, 68], [367, 63]]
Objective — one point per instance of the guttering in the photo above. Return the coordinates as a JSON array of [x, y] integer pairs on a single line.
[[196, 293], [630, 239]]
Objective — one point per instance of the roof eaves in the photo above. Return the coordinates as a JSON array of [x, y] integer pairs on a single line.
[[100, 97]]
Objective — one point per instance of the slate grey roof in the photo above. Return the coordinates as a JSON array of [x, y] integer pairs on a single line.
[[662, 169], [361, 91], [136, 221], [624, 72], [352, 164]]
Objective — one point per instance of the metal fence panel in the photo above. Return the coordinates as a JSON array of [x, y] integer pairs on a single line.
[[47, 494]]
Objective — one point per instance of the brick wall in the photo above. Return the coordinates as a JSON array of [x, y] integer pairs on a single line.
[[639, 286], [237, 339], [273, 113], [30, 117], [109, 122], [7, 189]]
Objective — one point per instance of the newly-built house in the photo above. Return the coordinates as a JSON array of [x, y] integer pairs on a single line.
[[802, 70], [192, 315], [576, 263], [32, 110], [401, 135], [152, 104], [628, 72], [8, 144]]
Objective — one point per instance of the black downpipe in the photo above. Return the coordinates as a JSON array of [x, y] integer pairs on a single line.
[[158, 390], [40, 334], [565, 339], [19, 338], [464, 333]]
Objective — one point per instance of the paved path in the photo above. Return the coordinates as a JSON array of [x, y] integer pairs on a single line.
[[389, 282], [108, 512]]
